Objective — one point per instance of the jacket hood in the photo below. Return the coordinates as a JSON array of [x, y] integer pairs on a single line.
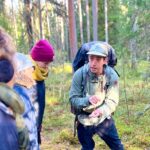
[[11, 99]]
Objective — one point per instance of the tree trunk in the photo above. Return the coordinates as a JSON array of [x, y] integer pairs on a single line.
[[88, 20], [146, 41], [133, 44], [95, 18], [14, 20], [80, 21], [27, 14], [148, 55], [72, 29], [67, 38], [62, 34], [47, 19], [40, 19], [106, 21], [133, 48], [58, 33], [66, 31]]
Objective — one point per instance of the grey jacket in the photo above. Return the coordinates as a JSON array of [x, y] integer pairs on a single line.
[[106, 86]]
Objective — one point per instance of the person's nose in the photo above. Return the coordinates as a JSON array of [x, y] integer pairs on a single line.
[[94, 62]]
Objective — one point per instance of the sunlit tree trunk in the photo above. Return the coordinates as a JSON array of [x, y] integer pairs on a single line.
[[133, 53], [146, 33], [87, 20], [62, 34], [35, 21], [27, 14], [106, 20], [40, 19], [148, 55], [95, 19], [47, 18], [67, 37], [72, 29], [48, 24], [14, 20], [80, 21], [66, 29], [58, 32], [133, 44]]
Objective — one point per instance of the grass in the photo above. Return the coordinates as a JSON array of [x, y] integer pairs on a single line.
[[134, 130]]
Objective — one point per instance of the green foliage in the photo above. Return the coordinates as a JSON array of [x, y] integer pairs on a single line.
[[22, 42], [59, 82], [67, 136], [129, 11], [101, 25], [5, 23], [113, 21]]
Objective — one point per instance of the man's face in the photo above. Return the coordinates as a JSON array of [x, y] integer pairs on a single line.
[[96, 64], [43, 64]]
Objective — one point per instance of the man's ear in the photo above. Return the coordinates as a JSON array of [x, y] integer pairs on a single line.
[[105, 60]]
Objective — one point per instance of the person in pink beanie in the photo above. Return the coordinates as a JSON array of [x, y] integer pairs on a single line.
[[42, 55]]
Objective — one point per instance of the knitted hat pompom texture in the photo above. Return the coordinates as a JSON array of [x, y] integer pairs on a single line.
[[42, 51]]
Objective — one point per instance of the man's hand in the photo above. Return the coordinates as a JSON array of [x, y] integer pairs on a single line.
[[94, 99], [96, 113]]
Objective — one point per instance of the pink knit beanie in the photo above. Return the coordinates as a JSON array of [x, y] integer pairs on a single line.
[[42, 51]]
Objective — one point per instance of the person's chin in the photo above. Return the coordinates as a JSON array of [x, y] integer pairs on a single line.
[[93, 70]]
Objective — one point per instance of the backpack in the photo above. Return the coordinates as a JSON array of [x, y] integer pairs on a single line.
[[81, 57]]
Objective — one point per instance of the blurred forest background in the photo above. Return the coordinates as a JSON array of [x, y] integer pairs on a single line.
[[67, 24]]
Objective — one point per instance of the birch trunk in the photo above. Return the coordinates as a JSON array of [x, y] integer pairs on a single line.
[[87, 20], [81, 22], [40, 19], [106, 20], [95, 19]]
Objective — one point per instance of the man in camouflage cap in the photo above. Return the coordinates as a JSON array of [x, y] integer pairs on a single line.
[[94, 94]]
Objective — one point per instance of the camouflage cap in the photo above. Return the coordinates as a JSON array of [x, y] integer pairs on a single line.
[[99, 49]]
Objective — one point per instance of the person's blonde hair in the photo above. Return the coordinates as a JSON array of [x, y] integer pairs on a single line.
[[7, 47]]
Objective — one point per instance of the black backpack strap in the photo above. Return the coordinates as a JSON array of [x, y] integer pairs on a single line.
[[117, 72], [75, 125]]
